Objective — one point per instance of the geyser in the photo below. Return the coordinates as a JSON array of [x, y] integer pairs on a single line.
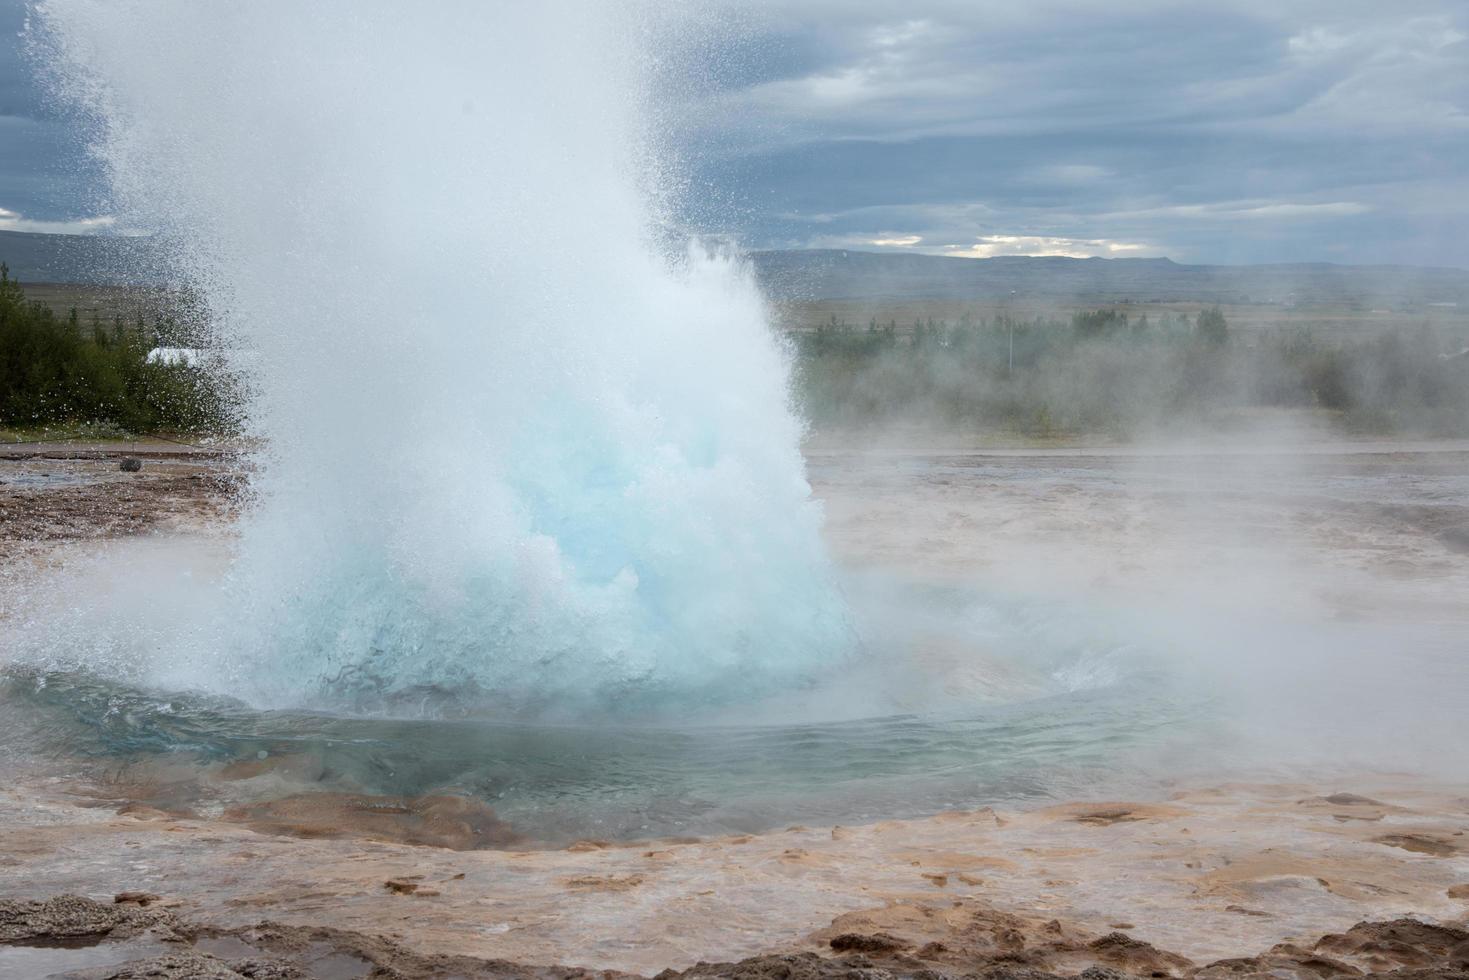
[[510, 445]]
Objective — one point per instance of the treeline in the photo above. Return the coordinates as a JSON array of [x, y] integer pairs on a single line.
[[57, 369], [1098, 372], [1103, 372]]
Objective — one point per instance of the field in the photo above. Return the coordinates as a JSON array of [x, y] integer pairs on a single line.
[[105, 303], [1340, 321]]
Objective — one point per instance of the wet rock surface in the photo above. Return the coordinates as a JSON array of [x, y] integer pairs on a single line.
[[454, 822], [997, 949], [1214, 874], [189, 966], [68, 919], [48, 932], [978, 942]]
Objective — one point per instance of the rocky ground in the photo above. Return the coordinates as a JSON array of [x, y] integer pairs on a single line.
[[1213, 874], [59, 493], [145, 941]]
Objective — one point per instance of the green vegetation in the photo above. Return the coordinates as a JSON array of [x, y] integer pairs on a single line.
[[56, 370], [1119, 371], [1106, 373]]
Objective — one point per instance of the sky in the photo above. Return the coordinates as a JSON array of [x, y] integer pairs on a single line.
[[1236, 132]]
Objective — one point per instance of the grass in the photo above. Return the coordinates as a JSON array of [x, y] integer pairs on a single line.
[[1244, 320], [105, 303]]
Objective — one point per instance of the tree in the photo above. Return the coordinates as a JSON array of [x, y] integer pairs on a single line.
[[1096, 323], [1212, 327]]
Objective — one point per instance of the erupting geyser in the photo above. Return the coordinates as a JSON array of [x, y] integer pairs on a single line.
[[510, 446]]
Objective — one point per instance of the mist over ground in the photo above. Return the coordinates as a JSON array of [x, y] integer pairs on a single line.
[[852, 489]]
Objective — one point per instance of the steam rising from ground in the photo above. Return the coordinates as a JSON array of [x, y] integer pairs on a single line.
[[512, 447], [515, 453]]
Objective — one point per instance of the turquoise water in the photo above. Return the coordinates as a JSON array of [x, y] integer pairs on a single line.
[[558, 783], [951, 697]]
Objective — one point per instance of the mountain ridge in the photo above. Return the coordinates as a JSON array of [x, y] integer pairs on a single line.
[[852, 274], [794, 275]]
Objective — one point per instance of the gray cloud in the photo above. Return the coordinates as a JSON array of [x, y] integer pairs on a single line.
[[1234, 131], [47, 181], [1242, 131]]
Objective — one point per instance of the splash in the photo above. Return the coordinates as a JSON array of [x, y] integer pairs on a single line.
[[512, 446]]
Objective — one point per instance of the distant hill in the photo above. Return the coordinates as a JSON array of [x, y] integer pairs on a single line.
[[830, 274], [89, 259]]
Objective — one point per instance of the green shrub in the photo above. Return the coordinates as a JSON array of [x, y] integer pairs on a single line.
[[53, 370], [1100, 373]]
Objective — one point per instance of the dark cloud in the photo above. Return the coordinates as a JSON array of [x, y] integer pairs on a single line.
[[47, 181]]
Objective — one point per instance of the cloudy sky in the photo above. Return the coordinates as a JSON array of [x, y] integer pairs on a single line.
[[1246, 131], [45, 181]]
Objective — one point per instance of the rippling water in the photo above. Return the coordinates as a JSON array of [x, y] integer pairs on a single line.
[[557, 783]]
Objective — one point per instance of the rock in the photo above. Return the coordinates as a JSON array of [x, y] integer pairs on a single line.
[[1457, 538], [192, 965], [1003, 972], [982, 944], [793, 966], [1107, 816], [1243, 910], [877, 942], [69, 918], [1137, 957], [603, 883], [1419, 844], [1117, 940], [455, 822], [1352, 799], [1110, 814], [1102, 973], [1427, 937], [130, 464], [142, 811], [135, 898]]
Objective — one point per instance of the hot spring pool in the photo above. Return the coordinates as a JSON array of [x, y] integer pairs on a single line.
[[558, 783]]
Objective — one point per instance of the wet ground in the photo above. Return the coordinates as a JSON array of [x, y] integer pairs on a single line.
[[56, 493], [133, 937], [1209, 874], [1301, 769]]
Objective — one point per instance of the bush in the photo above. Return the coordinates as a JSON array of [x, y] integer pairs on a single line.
[[53, 370], [1100, 373]]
